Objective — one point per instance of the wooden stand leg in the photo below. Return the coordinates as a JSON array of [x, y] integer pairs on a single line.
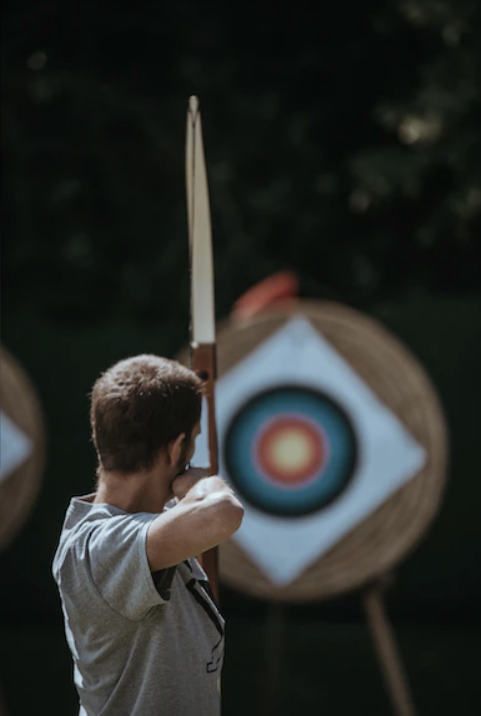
[[271, 697], [385, 642]]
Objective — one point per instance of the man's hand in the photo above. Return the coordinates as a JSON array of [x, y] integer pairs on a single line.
[[186, 480], [207, 513]]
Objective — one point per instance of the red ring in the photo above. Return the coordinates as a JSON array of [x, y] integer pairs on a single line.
[[267, 459]]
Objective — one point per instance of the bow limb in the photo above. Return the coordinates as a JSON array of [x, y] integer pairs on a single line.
[[202, 328]]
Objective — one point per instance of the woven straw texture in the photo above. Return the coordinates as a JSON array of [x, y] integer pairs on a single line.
[[391, 531], [19, 490]]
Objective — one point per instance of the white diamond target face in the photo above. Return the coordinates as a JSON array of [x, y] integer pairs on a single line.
[[308, 446], [15, 446], [290, 451]]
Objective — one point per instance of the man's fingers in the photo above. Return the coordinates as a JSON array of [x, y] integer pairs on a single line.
[[186, 480], [197, 472]]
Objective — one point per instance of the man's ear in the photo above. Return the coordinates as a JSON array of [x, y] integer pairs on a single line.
[[174, 449]]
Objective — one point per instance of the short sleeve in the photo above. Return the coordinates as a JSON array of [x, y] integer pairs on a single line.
[[119, 565]]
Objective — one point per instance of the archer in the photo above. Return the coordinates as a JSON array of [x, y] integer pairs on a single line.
[[142, 624]]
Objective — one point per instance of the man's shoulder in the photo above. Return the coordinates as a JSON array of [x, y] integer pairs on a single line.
[[81, 519], [84, 511]]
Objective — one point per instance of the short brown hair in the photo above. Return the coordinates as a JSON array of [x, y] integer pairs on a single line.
[[138, 406]]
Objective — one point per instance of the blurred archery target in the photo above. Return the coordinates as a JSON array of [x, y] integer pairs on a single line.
[[290, 450], [332, 434], [22, 446]]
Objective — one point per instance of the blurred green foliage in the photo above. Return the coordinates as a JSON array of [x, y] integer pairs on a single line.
[[342, 142]]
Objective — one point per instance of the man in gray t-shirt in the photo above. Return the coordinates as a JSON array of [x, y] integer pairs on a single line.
[[145, 633]]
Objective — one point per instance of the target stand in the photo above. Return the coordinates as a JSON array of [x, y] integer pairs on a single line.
[[333, 436]]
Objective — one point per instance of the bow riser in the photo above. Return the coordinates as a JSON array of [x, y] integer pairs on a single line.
[[203, 362]]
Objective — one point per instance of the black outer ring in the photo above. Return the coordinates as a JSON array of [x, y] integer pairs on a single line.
[[229, 436]]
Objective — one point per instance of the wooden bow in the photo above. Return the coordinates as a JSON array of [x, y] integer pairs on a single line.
[[202, 326]]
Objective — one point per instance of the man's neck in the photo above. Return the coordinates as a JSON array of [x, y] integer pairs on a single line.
[[136, 492]]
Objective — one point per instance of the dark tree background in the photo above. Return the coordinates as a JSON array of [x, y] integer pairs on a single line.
[[343, 141]]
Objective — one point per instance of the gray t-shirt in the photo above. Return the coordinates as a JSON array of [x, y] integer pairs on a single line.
[[143, 644]]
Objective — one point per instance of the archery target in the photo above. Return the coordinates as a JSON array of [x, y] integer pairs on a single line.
[[286, 526], [22, 447], [290, 450], [332, 435]]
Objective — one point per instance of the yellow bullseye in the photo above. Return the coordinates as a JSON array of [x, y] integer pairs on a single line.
[[291, 451]]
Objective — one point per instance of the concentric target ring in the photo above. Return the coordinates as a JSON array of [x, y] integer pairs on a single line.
[[290, 450]]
